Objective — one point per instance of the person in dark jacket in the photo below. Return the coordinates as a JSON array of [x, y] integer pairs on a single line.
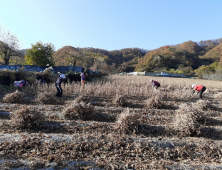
[[58, 85], [39, 79], [156, 84], [199, 88]]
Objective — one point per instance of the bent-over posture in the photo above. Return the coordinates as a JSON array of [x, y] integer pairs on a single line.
[[20, 84], [58, 85], [156, 84], [199, 88]]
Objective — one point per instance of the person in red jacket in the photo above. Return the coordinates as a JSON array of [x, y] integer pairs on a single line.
[[155, 84], [199, 88]]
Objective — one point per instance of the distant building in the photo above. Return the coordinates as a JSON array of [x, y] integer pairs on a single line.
[[160, 74]]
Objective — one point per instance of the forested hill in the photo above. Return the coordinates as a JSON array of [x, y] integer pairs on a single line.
[[184, 57], [93, 56]]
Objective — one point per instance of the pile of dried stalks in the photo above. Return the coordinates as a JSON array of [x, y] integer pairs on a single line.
[[169, 87], [48, 98], [120, 100], [13, 97], [187, 120], [218, 95], [80, 99], [128, 122], [203, 104], [27, 118], [154, 102], [81, 111]]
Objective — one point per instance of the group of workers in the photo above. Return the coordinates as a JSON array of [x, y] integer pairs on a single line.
[[199, 88], [40, 79]]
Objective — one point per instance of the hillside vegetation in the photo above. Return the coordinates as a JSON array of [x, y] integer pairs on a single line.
[[186, 57], [189, 57]]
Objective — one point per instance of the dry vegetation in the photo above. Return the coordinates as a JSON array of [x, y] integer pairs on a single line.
[[128, 122], [81, 111], [48, 98], [187, 121], [26, 118], [154, 102], [120, 100], [114, 123], [13, 97]]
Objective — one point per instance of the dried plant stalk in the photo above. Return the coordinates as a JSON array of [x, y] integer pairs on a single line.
[[26, 118], [154, 102], [80, 99], [48, 98], [78, 111], [120, 100], [218, 95], [203, 104], [128, 122], [13, 97], [188, 120]]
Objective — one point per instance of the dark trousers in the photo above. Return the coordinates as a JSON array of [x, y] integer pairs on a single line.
[[157, 86], [59, 90], [201, 92]]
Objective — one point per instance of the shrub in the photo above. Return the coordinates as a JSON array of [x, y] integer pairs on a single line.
[[72, 77], [48, 76], [154, 102], [187, 120], [81, 111], [48, 98], [7, 77], [128, 122], [13, 97], [120, 100], [26, 118]]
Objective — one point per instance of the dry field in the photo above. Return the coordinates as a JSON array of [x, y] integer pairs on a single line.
[[119, 122]]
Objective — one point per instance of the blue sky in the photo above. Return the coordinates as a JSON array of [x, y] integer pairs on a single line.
[[111, 24]]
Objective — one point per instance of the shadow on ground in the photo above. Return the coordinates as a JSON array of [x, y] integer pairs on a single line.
[[154, 131], [210, 133]]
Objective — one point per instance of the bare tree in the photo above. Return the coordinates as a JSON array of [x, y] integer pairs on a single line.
[[73, 57], [9, 46], [102, 66]]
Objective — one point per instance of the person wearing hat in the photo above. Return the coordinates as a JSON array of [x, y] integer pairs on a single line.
[[199, 88], [20, 84], [58, 85], [156, 84], [39, 79], [82, 78]]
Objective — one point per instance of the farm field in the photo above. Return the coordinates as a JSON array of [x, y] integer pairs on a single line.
[[119, 122]]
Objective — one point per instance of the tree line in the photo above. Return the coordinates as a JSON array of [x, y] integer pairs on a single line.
[[189, 57]]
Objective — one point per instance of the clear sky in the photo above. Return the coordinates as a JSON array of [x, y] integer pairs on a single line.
[[111, 24]]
